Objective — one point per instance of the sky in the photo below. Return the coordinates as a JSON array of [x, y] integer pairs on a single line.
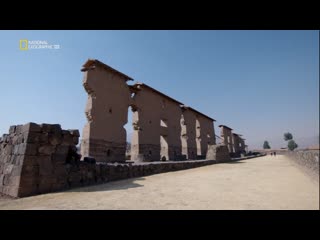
[[260, 83]]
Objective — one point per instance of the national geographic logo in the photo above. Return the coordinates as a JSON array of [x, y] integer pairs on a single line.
[[25, 44]]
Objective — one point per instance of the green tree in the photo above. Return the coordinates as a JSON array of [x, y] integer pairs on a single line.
[[266, 145], [288, 136], [292, 145]]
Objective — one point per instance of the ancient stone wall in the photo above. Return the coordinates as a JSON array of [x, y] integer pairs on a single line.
[[36, 159], [236, 142], [104, 136], [242, 146], [308, 159], [156, 125], [189, 144], [33, 158], [226, 135], [163, 128], [206, 134]]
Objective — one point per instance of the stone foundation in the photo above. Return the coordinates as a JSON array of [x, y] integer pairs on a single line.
[[175, 153], [192, 153], [103, 151], [145, 152], [33, 158]]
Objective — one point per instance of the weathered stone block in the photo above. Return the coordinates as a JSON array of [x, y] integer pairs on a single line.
[[8, 150], [12, 129], [75, 140], [25, 149], [47, 149], [16, 171], [45, 127], [11, 191], [6, 159], [62, 150], [67, 139], [44, 138], [31, 137], [30, 171], [60, 171], [74, 132], [10, 180], [55, 138], [26, 191], [7, 168], [30, 160], [59, 158], [45, 166], [1, 179], [31, 127], [18, 129]]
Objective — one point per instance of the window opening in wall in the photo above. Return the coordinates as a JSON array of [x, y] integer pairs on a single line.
[[164, 149], [198, 137], [163, 123], [131, 128]]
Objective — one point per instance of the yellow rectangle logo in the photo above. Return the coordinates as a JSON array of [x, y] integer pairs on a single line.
[[23, 44]]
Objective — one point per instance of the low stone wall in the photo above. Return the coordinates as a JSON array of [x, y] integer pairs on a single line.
[[308, 159], [36, 159], [85, 173]]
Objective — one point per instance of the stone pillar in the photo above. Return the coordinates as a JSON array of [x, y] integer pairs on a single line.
[[189, 145], [157, 125], [236, 142], [226, 135], [104, 136]]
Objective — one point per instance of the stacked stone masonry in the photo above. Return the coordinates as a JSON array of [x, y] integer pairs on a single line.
[[37, 159], [33, 158], [309, 159]]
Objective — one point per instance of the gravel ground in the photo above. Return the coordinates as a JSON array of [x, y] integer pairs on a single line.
[[259, 183]]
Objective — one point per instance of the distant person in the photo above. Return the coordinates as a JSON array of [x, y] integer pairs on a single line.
[[275, 154], [271, 153]]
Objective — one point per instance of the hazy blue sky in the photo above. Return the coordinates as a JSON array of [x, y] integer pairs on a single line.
[[260, 83]]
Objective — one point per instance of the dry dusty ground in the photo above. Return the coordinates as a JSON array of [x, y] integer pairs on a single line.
[[259, 183]]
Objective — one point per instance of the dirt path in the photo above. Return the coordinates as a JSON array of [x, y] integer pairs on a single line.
[[260, 183]]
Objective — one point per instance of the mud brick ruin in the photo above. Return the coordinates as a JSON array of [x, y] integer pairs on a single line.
[[167, 135], [163, 128], [234, 142]]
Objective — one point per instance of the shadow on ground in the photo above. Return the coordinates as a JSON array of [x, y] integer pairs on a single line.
[[233, 162], [110, 186]]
